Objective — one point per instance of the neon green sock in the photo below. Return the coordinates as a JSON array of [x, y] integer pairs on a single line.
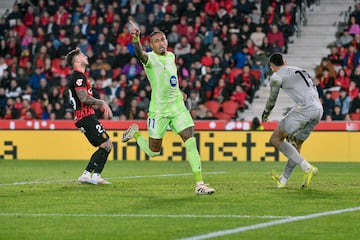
[[144, 145], [194, 158]]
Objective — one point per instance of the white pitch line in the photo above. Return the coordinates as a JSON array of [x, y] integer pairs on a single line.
[[269, 224], [124, 177], [136, 215]]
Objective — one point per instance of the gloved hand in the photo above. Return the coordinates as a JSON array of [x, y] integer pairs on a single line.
[[265, 116]]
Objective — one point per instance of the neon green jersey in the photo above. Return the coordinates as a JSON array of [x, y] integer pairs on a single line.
[[166, 97]]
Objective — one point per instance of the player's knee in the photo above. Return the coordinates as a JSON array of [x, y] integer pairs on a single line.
[[108, 145]]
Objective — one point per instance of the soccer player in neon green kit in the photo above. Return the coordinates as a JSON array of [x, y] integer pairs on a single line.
[[167, 106]]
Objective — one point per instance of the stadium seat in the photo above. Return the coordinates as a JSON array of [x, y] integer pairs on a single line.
[[256, 73], [355, 116], [222, 116], [213, 106], [235, 72], [229, 107]]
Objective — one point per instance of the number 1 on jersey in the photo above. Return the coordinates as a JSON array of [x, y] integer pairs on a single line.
[[151, 122], [307, 80]]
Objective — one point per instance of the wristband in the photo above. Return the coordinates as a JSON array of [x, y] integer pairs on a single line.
[[135, 39]]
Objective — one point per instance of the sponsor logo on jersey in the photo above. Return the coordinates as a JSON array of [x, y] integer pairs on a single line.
[[79, 81], [173, 81]]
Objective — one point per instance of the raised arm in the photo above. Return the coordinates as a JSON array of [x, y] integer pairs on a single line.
[[135, 33]]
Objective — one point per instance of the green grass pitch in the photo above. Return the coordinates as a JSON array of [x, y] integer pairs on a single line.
[[156, 200]]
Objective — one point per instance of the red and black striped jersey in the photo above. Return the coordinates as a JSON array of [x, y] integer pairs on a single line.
[[78, 81]]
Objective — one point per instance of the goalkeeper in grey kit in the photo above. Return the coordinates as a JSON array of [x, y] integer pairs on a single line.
[[298, 123]]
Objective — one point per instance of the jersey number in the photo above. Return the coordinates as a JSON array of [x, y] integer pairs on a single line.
[[151, 122], [306, 80]]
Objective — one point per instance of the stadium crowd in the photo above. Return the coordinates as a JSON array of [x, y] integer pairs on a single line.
[[222, 47]]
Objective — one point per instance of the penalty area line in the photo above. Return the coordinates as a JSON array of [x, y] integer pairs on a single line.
[[271, 223], [136, 215], [123, 177]]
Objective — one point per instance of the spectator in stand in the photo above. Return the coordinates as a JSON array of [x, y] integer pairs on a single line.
[[221, 92], [353, 90], [3, 66], [3, 101], [355, 104], [182, 48], [337, 115], [211, 8], [354, 27], [27, 112], [258, 36], [345, 39], [173, 36], [29, 16], [216, 47], [242, 58], [325, 63], [183, 72], [14, 90], [334, 57], [61, 15], [328, 105], [248, 82], [217, 68], [326, 81], [342, 80], [132, 69], [192, 100], [351, 58], [276, 39], [343, 101], [319, 89], [10, 111], [355, 76], [239, 96], [34, 80], [207, 60], [143, 101], [14, 15]]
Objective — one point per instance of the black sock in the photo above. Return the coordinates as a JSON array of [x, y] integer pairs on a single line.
[[97, 161]]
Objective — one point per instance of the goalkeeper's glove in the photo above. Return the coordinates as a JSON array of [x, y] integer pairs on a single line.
[[265, 116]]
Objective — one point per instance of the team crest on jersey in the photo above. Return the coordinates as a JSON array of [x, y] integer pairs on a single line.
[[173, 81], [79, 81]]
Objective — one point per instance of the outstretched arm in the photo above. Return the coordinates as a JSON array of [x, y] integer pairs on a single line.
[[135, 33]]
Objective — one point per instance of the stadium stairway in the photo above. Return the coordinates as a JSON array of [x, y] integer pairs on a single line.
[[306, 51], [6, 5]]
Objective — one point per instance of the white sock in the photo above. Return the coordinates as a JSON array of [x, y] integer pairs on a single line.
[[199, 183], [86, 174], [305, 166], [283, 180], [96, 175]]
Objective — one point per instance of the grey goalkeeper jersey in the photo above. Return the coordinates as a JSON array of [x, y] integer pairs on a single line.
[[297, 84]]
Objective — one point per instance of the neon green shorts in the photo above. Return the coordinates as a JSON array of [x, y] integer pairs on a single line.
[[158, 124]]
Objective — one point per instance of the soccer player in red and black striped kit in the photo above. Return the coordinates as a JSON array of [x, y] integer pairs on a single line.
[[82, 100]]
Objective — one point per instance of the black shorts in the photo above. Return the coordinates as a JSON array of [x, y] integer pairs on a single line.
[[93, 130]]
